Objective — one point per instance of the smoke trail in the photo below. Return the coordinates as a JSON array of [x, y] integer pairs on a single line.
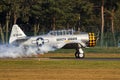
[[10, 51]]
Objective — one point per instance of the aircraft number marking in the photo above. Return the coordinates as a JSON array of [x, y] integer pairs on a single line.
[[17, 34]]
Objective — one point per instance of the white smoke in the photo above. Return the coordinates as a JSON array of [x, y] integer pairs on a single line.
[[10, 51]]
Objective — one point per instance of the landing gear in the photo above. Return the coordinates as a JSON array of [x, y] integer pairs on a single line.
[[79, 52]]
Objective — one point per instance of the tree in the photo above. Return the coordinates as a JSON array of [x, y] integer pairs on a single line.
[[52, 10], [12, 10], [102, 21], [84, 9], [45, 15], [36, 15], [111, 7], [117, 19], [69, 17]]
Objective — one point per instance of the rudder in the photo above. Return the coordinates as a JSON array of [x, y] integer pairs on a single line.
[[16, 33]]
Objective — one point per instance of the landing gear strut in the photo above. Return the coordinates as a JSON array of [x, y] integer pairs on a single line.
[[79, 52]]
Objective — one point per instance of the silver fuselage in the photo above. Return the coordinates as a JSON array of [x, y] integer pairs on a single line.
[[55, 41]]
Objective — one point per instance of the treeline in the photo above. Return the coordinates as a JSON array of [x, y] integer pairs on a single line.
[[44, 15]]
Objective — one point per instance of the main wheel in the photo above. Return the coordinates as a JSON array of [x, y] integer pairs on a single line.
[[79, 55]]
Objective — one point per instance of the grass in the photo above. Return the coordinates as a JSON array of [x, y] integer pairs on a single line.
[[36, 69], [58, 64], [60, 69], [62, 65], [112, 50], [108, 50]]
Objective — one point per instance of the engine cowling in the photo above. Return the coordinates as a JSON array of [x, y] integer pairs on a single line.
[[92, 40]]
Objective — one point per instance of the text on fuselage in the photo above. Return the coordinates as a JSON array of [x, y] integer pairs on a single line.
[[63, 39]]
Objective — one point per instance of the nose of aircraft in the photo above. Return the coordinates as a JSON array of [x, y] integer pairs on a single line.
[[92, 40]]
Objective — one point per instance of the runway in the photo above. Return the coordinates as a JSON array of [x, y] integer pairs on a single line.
[[63, 58], [68, 58], [91, 58]]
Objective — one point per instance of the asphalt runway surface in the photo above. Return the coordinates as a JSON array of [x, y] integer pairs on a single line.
[[91, 58], [62, 58], [70, 58]]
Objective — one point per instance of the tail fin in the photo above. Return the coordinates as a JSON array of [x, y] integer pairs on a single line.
[[16, 33]]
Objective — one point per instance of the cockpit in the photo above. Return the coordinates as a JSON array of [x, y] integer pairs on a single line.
[[61, 32]]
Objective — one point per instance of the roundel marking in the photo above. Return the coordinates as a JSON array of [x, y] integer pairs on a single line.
[[39, 41]]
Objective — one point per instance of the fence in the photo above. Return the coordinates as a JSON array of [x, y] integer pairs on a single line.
[[110, 40]]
